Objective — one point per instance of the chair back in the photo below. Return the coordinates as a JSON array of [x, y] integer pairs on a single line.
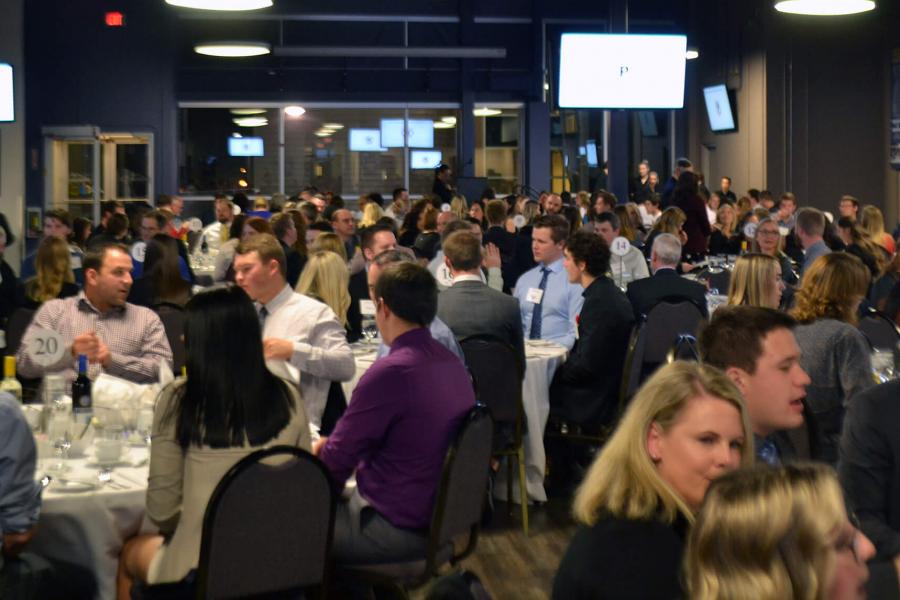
[[878, 328], [172, 317], [497, 374], [461, 493], [267, 527], [15, 328], [684, 348]]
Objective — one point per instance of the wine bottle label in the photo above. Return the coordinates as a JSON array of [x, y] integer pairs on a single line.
[[84, 401]]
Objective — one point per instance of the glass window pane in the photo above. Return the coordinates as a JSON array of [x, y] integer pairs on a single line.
[[81, 171], [421, 173], [131, 171], [497, 146]]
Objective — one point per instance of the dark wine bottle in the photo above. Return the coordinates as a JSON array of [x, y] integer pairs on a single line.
[[82, 404]]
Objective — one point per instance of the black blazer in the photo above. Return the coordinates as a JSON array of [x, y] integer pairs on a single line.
[[359, 290], [646, 293], [623, 558], [294, 263], [585, 389], [506, 242]]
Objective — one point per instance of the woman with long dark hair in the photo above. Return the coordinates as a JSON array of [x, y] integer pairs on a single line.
[[161, 279], [228, 406], [687, 197]]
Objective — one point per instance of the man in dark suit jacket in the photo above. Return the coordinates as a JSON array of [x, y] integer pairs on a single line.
[[469, 307], [495, 211], [585, 388], [646, 293], [373, 240]]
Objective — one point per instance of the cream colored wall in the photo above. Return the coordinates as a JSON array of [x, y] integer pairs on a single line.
[[12, 135]]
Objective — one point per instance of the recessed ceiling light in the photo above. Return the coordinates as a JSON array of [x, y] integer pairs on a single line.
[[232, 49], [334, 126], [824, 7], [451, 120], [251, 122], [324, 133], [294, 111], [486, 112], [443, 125], [248, 111], [221, 4], [691, 54], [236, 135]]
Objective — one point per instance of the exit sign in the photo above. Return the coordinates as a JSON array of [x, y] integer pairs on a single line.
[[115, 19]]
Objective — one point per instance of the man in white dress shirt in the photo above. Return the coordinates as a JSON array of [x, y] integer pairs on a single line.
[[296, 328], [217, 233], [627, 268]]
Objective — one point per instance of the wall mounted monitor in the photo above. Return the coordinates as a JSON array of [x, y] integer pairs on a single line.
[[718, 108], [7, 109], [365, 140], [621, 70], [424, 159], [591, 148], [419, 133], [245, 146]]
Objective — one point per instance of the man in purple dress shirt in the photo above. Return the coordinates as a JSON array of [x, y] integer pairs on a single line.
[[402, 418]]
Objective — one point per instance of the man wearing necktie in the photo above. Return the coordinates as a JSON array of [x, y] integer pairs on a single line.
[[547, 300], [757, 350]]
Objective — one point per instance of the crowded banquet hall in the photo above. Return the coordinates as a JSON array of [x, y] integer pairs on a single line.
[[450, 299]]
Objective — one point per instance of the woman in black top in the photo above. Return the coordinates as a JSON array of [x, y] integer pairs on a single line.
[[161, 280], [429, 240], [686, 427], [53, 278]]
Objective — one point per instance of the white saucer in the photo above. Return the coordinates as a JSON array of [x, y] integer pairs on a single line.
[[122, 461], [71, 486]]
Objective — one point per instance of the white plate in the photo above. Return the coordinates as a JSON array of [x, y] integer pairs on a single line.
[[71, 486]]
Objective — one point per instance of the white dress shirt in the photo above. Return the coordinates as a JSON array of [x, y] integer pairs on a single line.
[[212, 234], [628, 268], [561, 301], [321, 351]]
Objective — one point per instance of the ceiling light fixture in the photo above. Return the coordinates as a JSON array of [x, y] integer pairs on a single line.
[[484, 111], [248, 111], [824, 7], [451, 120], [334, 126], [444, 125], [251, 122], [691, 54], [294, 111], [233, 49], [324, 133], [221, 4]]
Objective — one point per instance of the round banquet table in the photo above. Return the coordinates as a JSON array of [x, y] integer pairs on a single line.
[[542, 359], [88, 528]]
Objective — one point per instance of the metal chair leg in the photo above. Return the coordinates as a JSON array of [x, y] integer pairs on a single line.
[[509, 485], [523, 487]]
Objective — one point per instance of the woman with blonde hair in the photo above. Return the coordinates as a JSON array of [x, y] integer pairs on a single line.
[[371, 213], [459, 206], [670, 221], [834, 352], [685, 427], [872, 222], [756, 281], [53, 275], [774, 534], [330, 242], [326, 279]]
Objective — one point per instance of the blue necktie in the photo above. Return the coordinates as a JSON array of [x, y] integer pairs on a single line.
[[768, 453], [537, 313], [263, 313]]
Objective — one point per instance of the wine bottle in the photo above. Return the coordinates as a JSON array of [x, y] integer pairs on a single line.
[[82, 404], [10, 383]]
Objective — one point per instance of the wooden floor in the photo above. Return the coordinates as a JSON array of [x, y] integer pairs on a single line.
[[514, 567]]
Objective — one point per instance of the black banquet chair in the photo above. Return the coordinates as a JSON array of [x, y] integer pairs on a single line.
[[457, 511], [15, 330], [266, 532], [878, 328], [497, 373], [172, 317], [652, 339]]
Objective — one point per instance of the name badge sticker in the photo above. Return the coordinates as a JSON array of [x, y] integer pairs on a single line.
[[367, 308], [535, 295]]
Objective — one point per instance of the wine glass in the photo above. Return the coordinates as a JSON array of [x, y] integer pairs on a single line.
[[369, 330], [58, 434]]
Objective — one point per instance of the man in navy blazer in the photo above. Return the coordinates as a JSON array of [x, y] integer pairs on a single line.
[[665, 283]]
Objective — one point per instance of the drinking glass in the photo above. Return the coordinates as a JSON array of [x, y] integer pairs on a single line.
[[58, 434], [369, 330], [882, 365]]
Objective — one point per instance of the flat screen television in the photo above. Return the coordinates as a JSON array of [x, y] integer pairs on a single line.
[[365, 140], [419, 132], [245, 146], [621, 70], [591, 148], [7, 105], [718, 108], [424, 159]]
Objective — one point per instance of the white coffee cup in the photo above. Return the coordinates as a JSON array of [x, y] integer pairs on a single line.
[[108, 450]]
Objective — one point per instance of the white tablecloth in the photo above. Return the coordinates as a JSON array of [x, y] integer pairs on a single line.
[[542, 360], [89, 528]]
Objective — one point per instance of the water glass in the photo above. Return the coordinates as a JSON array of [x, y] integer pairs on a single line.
[[58, 433], [369, 330], [882, 365]]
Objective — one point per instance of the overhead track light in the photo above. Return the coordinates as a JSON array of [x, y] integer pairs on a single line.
[[230, 5], [251, 121], [232, 49], [824, 7], [691, 54]]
